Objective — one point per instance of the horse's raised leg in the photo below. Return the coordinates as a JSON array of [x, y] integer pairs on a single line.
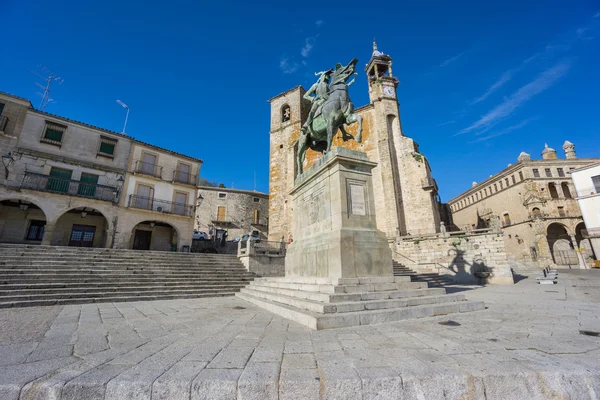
[[345, 135], [352, 118], [301, 154]]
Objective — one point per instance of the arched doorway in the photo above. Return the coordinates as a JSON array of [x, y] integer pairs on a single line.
[[154, 235], [21, 221], [560, 245], [583, 242], [81, 227], [552, 190]]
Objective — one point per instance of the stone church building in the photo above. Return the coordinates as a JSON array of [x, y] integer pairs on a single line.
[[405, 193]]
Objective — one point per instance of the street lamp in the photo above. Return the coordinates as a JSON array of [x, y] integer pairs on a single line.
[[7, 160], [126, 116]]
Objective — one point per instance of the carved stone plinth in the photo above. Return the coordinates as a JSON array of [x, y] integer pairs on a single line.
[[334, 227]]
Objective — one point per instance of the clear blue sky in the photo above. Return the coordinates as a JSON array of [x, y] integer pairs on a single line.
[[479, 81]]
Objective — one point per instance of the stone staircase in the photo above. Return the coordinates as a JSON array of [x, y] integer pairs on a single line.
[[432, 279], [324, 303], [48, 275]]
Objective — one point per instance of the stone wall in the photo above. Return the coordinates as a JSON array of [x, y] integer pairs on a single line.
[[240, 206], [264, 265], [458, 257]]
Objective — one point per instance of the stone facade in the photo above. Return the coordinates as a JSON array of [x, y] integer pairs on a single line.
[[405, 192], [70, 183], [587, 184], [242, 212], [534, 203], [459, 257]]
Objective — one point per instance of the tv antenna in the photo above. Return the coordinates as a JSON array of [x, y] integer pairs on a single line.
[[48, 77]]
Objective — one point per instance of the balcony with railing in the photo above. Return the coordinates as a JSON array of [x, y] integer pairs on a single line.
[[184, 178], [161, 206], [46, 183], [591, 191], [428, 183], [146, 168]]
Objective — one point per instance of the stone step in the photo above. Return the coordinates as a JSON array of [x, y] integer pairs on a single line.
[[102, 284], [114, 288], [131, 293], [343, 307], [115, 299], [344, 297], [331, 289], [101, 279], [339, 320], [150, 269]]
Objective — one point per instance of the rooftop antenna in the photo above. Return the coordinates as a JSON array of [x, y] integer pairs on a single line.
[[48, 77], [255, 181], [126, 115]]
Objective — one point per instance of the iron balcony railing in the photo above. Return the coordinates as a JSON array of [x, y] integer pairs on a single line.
[[184, 177], [588, 191], [162, 206], [45, 183], [3, 123], [145, 168]]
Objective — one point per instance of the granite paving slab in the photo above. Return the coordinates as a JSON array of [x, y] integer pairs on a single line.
[[530, 343]]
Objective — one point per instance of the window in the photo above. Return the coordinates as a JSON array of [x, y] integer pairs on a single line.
[[566, 191], [183, 173], [281, 146], [485, 192], [536, 173], [1, 108], [222, 195], [495, 187], [500, 185], [256, 200], [59, 180], [561, 212], [596, 183], [552, 190], [107, 147], [520, 175], [256, 217], [87, 185], [221, 213], [149, 164], [560, 171], [143, 198], [36, 230], [180, 205], [506, 221], [286, 113], [506, 182], [548, 173], [53, 133], [513, 179]]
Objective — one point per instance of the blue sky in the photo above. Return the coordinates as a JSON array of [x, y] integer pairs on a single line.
[[479, 81]]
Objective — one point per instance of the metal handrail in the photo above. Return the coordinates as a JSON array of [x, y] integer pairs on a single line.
[[184, 177], [52, 184], [145, 168], [163, 206]]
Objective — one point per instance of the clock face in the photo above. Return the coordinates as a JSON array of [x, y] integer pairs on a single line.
[[388, 91]]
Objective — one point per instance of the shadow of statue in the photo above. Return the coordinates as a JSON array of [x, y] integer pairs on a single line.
[[459, 267]]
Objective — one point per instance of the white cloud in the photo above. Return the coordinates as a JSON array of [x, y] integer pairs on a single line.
[[319, 22], [507, 76], [505, 131], [597, 15], [309, 43], [446, 123], [287, 65], [520, 97], [451, 60]]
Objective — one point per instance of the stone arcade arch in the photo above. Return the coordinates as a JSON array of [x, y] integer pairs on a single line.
[[154, 235], [560, 244], [582, 242], [21, 221], [81, 227]]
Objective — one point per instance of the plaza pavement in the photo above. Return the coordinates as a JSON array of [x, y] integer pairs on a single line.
[[526, 345]]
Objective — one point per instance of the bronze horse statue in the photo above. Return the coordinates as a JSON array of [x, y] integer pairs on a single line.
[[336, 111]]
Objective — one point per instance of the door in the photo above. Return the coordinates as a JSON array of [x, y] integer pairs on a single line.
[[82, 236], [143, 198], [87, 185], [180, 203], [221, 213], [183, 173], [149, 164], [141, 240], [59, 180]]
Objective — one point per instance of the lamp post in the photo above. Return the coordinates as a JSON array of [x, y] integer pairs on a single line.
[[7, 160], [126, 115]]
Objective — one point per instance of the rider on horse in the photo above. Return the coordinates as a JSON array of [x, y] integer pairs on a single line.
[[321, 91]]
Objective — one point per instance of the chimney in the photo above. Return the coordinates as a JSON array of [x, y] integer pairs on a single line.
[[569, 149]]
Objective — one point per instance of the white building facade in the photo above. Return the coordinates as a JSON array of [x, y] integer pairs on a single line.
[[587, 184]]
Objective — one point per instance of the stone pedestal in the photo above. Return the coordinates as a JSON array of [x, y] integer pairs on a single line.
[[334, 226], [338, 269]]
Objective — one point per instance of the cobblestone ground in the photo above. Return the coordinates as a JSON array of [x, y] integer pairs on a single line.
[[526, 345]]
